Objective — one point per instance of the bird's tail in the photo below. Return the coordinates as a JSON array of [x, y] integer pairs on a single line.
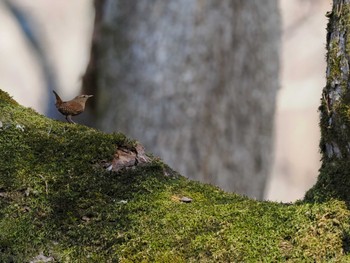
[[58, 99]]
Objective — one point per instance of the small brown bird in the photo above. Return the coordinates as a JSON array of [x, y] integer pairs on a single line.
[[72, 107]]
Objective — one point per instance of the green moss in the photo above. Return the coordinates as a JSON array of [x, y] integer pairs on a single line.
[[56, 198], [332, 182], [5, 97], [345, 21]]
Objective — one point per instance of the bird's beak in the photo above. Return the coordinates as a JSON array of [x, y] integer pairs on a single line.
[[90, 96]]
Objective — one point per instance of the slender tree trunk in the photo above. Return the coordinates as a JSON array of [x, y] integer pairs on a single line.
[[195, 82], [334, 178]]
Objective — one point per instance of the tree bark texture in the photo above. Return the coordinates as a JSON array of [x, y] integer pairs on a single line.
[[195, 82], [334, 178]]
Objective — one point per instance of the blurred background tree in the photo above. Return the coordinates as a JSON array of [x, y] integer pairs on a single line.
[[194, 81]]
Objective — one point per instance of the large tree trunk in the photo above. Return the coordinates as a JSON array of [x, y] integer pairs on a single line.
[[195, 81], [334, 178]]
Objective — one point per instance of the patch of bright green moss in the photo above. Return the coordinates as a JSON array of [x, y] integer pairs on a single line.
[[6, 98], [57, 199]]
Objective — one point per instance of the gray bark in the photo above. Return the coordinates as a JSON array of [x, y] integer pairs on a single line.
[[195, 82]]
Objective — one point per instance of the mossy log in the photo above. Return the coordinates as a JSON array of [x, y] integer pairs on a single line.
[[61, 202]]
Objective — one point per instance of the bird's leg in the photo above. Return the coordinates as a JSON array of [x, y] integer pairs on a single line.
[[69, 119]]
